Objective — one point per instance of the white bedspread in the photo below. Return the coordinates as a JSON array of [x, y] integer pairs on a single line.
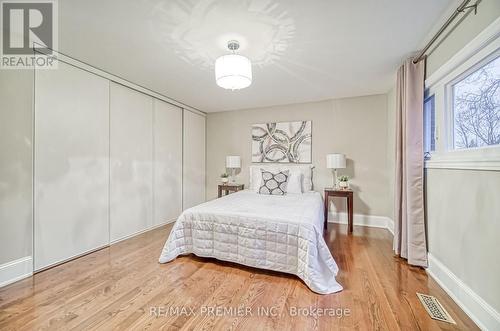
[[280, 233]]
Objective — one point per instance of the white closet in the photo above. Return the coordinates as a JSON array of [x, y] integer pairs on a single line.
[[110, 162], [167, 162], [131, 166], [194, 159], [71, 165]]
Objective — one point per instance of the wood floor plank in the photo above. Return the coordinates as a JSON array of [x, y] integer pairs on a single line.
[[118, 288], [61, 295]]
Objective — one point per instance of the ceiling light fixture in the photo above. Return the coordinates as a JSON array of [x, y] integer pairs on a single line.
[[233, 71]]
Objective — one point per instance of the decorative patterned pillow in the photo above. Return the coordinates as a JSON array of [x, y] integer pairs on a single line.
[[255, 177], [274, 183]]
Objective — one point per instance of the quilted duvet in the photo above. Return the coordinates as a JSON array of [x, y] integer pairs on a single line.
[[280, 233]]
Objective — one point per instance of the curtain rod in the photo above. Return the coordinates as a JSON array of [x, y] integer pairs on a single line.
[[460, 9]]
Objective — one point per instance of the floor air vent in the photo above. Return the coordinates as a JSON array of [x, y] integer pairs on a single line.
[[434, 308]]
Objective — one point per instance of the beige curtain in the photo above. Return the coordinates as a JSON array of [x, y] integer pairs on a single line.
[[409, 224]]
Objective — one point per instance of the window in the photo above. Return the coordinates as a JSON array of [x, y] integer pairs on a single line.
[[462, 107], [429, 125], [476, 108]]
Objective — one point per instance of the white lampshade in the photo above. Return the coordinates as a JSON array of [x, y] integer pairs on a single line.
[[233, 72], [335, 161], [233, 162]]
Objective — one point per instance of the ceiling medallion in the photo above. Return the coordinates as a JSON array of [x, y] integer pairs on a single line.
[[197, 31]]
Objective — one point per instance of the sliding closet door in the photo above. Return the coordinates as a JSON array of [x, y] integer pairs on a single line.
[[167, 181], [194, 159], [71, 164], [131, 153]]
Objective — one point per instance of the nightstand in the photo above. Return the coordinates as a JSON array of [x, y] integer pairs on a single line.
[[229, 188], [348, 194]]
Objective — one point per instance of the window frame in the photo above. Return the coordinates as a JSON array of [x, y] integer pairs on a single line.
[[449, 105], [482, 49], [430, 97]]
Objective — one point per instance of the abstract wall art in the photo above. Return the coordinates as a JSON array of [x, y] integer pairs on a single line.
[[282, 142]]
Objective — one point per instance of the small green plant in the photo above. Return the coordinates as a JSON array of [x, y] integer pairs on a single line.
[[224, 175], [343, 178]]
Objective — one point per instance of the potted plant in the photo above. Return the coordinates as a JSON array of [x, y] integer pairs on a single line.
[[344, 182], [224, 178]]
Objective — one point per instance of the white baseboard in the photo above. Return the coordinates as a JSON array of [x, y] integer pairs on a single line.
[[364, 220], [13, 271], [485, 316], [142, 231], [390, 225]]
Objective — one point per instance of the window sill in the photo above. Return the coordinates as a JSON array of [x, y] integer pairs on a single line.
[[463, 164]]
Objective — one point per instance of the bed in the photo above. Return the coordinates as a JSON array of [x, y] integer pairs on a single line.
[[279, 233]]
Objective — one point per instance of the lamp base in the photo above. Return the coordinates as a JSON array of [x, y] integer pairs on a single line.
[[335, 183], [233, 176]]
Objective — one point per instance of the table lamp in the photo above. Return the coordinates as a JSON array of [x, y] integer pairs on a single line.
[[335, 161], [233, 162]]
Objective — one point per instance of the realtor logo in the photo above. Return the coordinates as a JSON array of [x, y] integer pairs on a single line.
[[28, 26]]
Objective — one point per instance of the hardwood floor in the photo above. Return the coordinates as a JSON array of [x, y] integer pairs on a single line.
[[124, 287]]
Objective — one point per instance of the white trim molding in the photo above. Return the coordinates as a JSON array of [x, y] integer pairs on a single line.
[[13, 271], [363, 220], [390, 225], [115, 241], [463, 164], [483, 39], [485, 316]]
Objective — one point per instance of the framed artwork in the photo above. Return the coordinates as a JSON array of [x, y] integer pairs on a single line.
[[282, 142]]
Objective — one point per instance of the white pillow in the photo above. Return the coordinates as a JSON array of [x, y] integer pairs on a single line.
[[305, 170], [295, 182], [255, 178]]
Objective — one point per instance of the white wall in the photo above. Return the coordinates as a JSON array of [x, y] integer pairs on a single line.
[[354, 126], [463, 214], [15, 164], [462, 205], [458, 36], [391, 147]]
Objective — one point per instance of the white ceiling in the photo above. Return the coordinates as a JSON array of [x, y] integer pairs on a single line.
[[301, 50]]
